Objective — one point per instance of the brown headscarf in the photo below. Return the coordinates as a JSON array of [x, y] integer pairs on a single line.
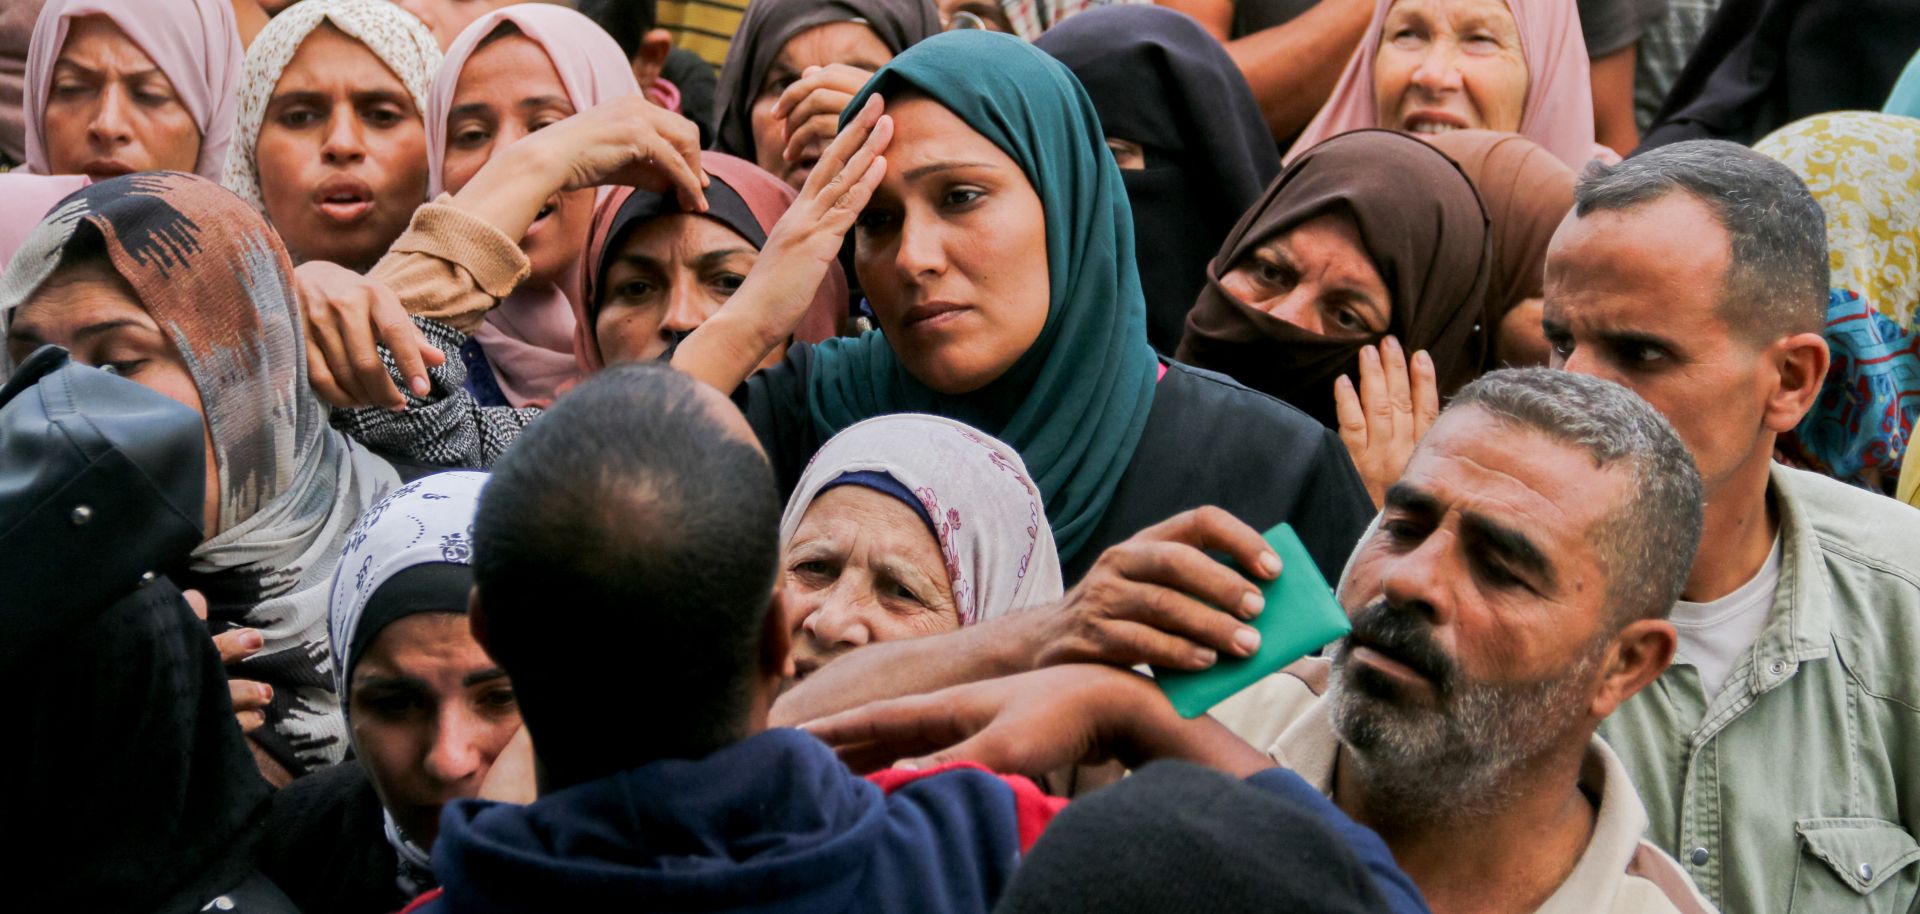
[[1426, 231], [1527, 192]]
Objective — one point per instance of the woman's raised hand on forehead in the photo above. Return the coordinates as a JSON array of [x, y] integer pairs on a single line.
[[634, 142], [803, 244], [628, 140]]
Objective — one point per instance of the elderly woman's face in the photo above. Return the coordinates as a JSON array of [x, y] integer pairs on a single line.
[[430, 712], [952, 251], [342, 155], [670, 275], [92, 312], [1317, 277], [863, 568], [508, 90], [1450, 65], [850, 43], [110, 110]]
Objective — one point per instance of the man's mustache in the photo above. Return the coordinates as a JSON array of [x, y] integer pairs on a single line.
[[1401, 635]]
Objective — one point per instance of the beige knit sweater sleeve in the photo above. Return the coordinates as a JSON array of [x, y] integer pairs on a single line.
[[451, 267]]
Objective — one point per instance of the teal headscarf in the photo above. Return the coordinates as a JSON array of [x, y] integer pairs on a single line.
[[1905, 97], [1076, 403]]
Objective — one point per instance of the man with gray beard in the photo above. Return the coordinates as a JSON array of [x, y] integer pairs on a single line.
[[1511, 595]]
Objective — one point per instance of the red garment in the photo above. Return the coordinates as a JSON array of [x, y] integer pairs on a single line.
[[1033, 809]]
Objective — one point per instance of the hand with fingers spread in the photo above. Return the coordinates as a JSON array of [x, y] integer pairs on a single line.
[[810, 110], [250, 698], [347, 314], [1157, 598], [1032, 724], [627, 141], [762, 313], [1395, 405]]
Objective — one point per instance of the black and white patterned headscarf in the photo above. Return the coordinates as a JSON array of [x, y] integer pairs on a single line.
[[424, 526]]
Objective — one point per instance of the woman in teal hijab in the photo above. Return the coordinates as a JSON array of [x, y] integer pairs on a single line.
[[995, 245]]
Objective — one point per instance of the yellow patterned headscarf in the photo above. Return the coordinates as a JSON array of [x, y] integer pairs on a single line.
[[1864, 168]]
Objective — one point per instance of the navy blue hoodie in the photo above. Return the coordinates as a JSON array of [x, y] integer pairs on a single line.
[[772, 823]]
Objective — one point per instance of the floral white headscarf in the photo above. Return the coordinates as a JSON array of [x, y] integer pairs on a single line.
[[985, 510]]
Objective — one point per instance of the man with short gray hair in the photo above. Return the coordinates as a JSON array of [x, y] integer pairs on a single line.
[[1512, 595], [1777, 758]]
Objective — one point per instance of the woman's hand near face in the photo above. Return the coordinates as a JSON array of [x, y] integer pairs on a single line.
[[628, 141], [347, 314], [794, 261], [250, 698], [1385, 420], [811, 108]]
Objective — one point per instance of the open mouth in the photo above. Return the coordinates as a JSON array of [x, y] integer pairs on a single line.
[[344, 200], [1433, 123], [540, 218]]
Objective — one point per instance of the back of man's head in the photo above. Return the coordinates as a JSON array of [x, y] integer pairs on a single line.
[[625, 554], [1776, 282], [1648, 542]]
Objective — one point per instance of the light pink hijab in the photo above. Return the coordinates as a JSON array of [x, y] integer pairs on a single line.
[[194, 42], [29, 199], [528, 338], [1557, 114]]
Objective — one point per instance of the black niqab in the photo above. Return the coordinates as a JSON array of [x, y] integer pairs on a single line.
[[1158, 79]]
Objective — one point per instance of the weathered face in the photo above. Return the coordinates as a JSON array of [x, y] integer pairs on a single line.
[[508, 90], [1633, 296], [95, 315], [863, 568], [1479, 606], [1450, 65], [430, 712], [342, 153], [110, 111], [1317, 277], [849, 43], [952, 251], [671, 274]]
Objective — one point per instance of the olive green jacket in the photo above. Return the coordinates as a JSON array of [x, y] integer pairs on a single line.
[[1797, 788]]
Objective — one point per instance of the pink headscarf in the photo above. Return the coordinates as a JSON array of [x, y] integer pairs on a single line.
[[194, 42], [528, 338], [1557, 113], [29, 199], [767, 197]]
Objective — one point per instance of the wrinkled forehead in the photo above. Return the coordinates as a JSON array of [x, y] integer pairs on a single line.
[[1473, 463]]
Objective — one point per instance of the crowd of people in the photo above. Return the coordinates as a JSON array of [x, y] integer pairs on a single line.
[[780, 456]]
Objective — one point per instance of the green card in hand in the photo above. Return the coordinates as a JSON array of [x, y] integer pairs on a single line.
[[1301, 615]]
